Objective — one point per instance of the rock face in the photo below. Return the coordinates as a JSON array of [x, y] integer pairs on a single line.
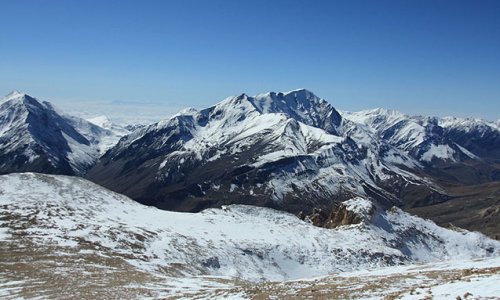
[[351, 212], [318, 217]]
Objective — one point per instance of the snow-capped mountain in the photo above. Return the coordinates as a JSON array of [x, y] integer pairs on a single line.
[[292, 151], [431, 139], [98, 235], [35, 136], [115, 132], [104, 122], [287, 150], [480, 138]]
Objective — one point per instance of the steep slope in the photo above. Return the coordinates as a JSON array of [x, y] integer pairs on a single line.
[[34, 136], [474, 207], [300, 105], [97, 236], [291, 151], [438, 142], [479, 137], [461, 155]]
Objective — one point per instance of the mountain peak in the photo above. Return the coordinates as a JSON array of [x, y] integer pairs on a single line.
[[302, 105], [102, 121], [298, 90], [13, 95], [31, 103], [301, 93], [283, 102], [384, 111], [188, 111]]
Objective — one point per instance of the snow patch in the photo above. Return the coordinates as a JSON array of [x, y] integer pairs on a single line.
[[4, 233], [472, 287], [438, 151], [13, 95], [360, 206]]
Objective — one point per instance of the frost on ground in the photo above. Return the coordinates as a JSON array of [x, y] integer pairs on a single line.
[[64, 237]]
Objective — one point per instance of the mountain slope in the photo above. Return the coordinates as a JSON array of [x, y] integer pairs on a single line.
[[461, 156], [113, 132], [435, 141], [477, 279], [291, 151], [481, 138], [34, 136], [80, 221]]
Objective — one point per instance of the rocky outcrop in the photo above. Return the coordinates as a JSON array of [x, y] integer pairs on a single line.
[[354, 211], [343, 216], [318, 217]]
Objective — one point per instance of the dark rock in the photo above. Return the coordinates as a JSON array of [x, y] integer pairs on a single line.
[[339, 216], [212, 262], [318, 217]]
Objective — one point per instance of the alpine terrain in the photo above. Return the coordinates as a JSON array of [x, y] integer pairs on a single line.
[[113, 187], [295, 152], [35, 136], [64, 237]]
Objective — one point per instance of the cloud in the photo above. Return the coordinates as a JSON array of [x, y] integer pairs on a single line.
[[121, 112]]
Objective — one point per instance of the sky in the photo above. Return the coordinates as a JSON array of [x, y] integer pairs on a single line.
[[421, 57]]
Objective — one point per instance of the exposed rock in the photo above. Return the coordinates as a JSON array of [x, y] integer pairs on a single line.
[[349, 212], [212, 262], [318, 217]]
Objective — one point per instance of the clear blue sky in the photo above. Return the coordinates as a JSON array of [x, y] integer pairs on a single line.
[[421, 57]]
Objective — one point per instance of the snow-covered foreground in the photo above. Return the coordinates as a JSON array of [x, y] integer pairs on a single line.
[[67, 237], [471, 279]]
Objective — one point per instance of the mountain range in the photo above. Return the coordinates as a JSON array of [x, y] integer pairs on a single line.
[[290, 151]]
